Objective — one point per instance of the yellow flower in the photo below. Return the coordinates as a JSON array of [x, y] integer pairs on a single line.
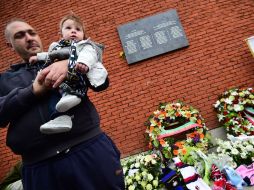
[[122, 54], [187, 114]]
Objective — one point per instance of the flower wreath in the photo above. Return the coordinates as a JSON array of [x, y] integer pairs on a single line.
[[234, 108], [142, 171], [171, 120]]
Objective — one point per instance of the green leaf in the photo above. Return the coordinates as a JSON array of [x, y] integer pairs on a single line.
[[156, 143]]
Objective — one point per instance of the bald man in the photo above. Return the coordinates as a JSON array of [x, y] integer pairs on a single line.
[[84, 158]]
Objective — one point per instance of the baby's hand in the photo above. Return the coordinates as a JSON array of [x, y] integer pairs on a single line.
[[82, 68], [33, 59]]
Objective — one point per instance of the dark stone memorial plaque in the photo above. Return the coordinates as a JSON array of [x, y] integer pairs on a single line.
[[152, 36]]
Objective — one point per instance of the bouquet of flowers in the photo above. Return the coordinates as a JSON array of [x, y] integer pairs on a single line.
[[164, 120], [202, 161], [142, 171], [242, 152], [230, 111]]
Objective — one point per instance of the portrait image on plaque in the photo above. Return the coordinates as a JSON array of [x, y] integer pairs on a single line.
[[152, 36]]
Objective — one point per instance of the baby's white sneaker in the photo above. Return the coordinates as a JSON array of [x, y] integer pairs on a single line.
[[67, 102], [60, 124]]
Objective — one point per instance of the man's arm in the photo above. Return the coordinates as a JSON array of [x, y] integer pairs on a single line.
[[15, 103], [19, 100]]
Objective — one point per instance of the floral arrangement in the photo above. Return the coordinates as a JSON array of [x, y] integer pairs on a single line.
[[196, 157], [202, 161], [166, 117], [242, 152], [142, 171], [230, 110]]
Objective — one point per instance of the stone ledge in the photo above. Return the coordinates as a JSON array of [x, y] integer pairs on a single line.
[[219, 132]]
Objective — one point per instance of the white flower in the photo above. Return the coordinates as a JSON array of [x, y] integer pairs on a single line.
[[124, 170], [222, 100], [129, 181], [143, 184], [232, 98], [156, 112], [247, 92], [228, 101], [137, 177], [243, 155], [155, 183], [131, 187], [219, 149], [234, 122], [239, 151], [150, 177], [132, 172], [148, 158], [227, 144], [238, 107], [178, 104], [137, 174], [249, 148], [241, 94], [240, 147], [248, 101], [144, 173], [189, 140], [137, 165], [216, 105], [234, 93], [149, 186], [220, 117]]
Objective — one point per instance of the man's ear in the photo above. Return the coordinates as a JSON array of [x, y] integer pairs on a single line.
[[9, 45]]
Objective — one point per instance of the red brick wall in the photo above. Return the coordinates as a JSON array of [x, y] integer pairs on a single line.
[[216, 59]]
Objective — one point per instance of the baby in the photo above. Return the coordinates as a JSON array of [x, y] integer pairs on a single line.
[[85, 63]]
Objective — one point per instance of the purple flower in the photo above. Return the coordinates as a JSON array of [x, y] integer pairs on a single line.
[[196, 139]]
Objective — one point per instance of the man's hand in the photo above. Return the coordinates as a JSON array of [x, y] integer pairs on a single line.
[[53, 75], [39, 87]]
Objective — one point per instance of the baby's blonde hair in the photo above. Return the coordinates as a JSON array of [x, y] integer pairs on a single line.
[[75, 18]]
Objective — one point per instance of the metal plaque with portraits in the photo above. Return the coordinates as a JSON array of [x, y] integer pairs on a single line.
[[152, 36]]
